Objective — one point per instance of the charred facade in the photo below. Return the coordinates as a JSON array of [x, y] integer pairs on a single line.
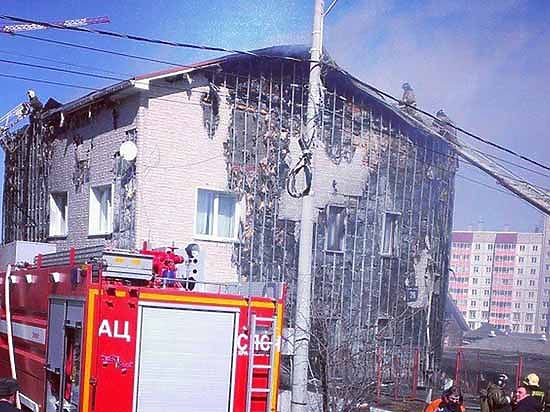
[[383, 189]]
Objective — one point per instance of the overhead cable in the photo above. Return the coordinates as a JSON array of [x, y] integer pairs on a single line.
[[289, 181], [146, 39], [476, 137], [249, 53]]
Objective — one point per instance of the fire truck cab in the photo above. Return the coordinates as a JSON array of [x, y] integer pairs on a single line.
[[119, 331]]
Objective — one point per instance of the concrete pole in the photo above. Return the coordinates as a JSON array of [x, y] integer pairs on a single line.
[[302, 322]]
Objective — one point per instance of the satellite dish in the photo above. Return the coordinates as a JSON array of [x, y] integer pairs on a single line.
[[128, 150]]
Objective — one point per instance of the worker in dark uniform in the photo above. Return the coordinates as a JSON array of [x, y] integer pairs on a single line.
[[494, 398], [8, 389], [531, 382]]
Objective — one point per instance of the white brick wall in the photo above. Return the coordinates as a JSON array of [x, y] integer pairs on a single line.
[[102, 142], [175, 157]]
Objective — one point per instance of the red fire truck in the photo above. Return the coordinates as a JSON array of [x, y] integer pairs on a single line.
[[119, 331]]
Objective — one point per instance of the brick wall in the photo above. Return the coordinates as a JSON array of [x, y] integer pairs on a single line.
[[175, 157], [99, 142]]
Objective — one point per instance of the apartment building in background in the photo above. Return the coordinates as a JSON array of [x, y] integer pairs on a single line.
[[502, 278]]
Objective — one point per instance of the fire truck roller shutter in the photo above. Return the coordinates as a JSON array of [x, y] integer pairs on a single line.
[[185, 360]]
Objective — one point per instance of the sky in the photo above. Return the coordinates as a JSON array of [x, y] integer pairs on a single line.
[[486, 63]]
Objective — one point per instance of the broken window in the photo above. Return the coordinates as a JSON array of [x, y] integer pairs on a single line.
[[101, 210], [216, 215], [390, 231], [58, 214], [336, 228]]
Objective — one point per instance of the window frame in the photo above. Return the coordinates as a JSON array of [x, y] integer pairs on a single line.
[[394, 248], [236, 218], [92, 229], [326, 245], [51, 196]]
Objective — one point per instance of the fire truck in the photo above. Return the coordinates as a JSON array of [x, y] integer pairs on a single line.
[[105, 330]]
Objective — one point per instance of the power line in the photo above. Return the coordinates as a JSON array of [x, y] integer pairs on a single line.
[[512, 163], [11, 76], [94, 75], [146, 39], [329, 8], [249, 53], [58, 69], [98, 50], [476, 137], [77, 86], [87, 74], [48, 59]]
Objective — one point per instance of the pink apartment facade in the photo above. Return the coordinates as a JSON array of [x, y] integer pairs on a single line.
[[502, 278]]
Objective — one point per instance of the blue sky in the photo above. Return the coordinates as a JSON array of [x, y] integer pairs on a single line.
[[486, 63]]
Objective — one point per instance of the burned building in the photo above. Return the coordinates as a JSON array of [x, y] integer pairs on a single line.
[[215, 143]]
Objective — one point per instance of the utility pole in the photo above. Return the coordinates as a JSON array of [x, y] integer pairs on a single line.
[[302, 323]]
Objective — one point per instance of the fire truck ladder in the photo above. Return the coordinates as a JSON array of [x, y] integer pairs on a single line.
[[253, 365], [533, 194]]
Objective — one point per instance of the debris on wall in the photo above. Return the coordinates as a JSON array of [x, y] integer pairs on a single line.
[[210, 103], [408, 174], [125, 208]]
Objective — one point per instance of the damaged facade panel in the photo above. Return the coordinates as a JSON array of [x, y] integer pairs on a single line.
[[380, 252], [223, 138], [71, 162]]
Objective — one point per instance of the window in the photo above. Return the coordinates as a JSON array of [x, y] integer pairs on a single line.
[[519, 282], [486, 292], [58, 214], [474, 281], [490, 247], [217, 214], [474, 292], [101, 210], [531, 294], [531, 283], [520, 271], [533, 271], [476, 269], [518, 294], [529, 317], [516, 316], [336, 228], [517, 305], [477, 246], [485, 304], [535, 248], [521, 259], [472, 314], [476, 258], [522, 248], [473, 303], [534, 259], [528, 328], [390, 229], [489, 258]]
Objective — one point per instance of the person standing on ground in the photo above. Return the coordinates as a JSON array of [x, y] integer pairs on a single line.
[[524, 402], [8, 389], [532, 383], [493, 398], [450, 401]]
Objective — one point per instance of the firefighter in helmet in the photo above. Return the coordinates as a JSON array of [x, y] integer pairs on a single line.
[[532, 383], [494, 398]]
